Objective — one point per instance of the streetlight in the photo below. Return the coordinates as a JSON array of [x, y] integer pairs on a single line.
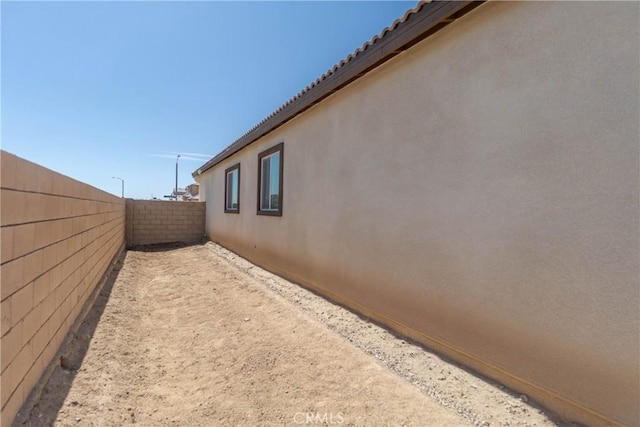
[[115, 177], [177, 177]]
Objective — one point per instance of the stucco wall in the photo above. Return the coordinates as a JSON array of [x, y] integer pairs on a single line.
[[156, 221], [58, 238], [479, 193]]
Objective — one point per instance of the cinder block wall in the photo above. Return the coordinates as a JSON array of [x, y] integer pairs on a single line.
[[156, 221], [59, 237]]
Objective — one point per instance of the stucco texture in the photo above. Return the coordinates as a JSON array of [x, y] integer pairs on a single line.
[[479, 192]]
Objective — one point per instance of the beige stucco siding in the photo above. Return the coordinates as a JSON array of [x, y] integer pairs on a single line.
[[480, 193]]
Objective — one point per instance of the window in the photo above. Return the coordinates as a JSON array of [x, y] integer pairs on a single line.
[[270, 181], [232, 189]]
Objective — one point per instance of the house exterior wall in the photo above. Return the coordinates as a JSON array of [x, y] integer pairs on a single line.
[[155, 221], [59, 236], [478, 193]]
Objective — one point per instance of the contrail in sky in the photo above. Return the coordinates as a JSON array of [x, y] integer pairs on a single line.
[[184, 156], [175, 153]]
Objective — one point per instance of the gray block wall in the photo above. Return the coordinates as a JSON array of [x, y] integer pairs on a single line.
[[155, 221]]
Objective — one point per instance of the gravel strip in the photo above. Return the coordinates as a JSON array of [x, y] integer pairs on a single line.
[[477, 399]]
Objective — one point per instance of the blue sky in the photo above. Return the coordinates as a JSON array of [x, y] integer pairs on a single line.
[[97, 89]]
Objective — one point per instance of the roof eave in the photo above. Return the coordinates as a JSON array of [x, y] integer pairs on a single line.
[[417, 24]]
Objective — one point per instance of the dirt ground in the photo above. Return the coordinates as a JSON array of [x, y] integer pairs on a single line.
[[196, 335]]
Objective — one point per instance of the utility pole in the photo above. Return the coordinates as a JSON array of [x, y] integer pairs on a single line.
[[176, 193]]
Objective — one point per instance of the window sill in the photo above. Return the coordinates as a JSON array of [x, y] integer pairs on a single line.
[[269, 213]]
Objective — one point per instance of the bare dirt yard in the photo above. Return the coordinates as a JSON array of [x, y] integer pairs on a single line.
[[196, 335]]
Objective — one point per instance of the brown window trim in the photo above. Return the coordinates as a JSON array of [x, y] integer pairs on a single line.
[[276, 148], [226, 186]]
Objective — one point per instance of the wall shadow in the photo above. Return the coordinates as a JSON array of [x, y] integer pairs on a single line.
[[48, 396], [163, 247]]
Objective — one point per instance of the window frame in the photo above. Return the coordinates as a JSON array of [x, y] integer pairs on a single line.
[[278, 148], [226, 188]]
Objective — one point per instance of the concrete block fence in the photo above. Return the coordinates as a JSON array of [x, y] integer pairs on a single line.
[[155, 221], [58, 238]]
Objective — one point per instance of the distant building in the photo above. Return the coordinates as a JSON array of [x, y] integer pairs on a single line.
[[188, 194], [192, 193], [177, 195]]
